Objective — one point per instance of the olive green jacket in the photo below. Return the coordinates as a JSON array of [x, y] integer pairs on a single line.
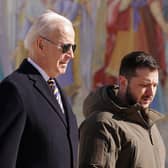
[[112, 136]]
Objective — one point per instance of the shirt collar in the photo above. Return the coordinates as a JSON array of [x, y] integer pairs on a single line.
[[41, 71]]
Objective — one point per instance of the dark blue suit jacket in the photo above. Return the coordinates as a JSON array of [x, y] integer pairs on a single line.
[[34, 133]]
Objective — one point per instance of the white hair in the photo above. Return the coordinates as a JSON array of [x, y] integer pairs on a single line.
[[46, 23]]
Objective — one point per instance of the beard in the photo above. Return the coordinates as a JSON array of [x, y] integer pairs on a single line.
[[131, 99]]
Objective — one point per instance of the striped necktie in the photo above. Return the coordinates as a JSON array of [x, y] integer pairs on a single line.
[[52, 84]]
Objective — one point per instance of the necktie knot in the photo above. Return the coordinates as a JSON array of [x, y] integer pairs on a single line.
[[52, 84]]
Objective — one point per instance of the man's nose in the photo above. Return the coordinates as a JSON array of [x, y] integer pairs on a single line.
[[150, 91], [71, 53]]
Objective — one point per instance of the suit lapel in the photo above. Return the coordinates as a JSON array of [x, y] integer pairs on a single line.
[[72, 125], [44, 90], [41, 85]]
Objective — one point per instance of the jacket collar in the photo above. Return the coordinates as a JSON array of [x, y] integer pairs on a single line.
[[135, 113], [41, 85]]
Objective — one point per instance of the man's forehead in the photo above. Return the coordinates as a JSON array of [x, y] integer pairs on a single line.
[[144, 71], [147, 75]]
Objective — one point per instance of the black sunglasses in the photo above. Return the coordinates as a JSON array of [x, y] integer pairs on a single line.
[[65, 47]]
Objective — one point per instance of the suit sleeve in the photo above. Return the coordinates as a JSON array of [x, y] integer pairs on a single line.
[[12, 121], [97, 147]]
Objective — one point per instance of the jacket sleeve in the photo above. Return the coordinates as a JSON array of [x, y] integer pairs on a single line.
[[12, 122], [97, 147]]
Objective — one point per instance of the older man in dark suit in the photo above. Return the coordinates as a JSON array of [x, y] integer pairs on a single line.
[[37, 126]]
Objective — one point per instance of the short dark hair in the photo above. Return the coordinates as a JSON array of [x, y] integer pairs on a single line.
[[135, 60]]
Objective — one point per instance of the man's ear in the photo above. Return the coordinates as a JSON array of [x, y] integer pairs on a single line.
[[40, 43], [41, 46], [123, 81]]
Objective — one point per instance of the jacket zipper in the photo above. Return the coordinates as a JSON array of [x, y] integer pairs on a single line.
[[148, 128], [150, 137]]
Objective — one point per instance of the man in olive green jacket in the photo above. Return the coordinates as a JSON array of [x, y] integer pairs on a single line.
[[119, 130]]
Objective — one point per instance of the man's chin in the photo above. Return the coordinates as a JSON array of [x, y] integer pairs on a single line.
[[145, 105], [62, 71]]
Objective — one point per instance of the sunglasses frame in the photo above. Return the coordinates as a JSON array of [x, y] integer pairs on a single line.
[[65, 47]]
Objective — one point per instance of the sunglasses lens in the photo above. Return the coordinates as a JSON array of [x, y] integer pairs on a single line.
[[66, 47]]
